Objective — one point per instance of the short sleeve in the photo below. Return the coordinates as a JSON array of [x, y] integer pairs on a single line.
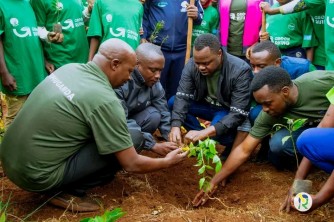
[[110, 131]]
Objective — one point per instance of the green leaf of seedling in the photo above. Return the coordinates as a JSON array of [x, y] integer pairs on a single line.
[[212, 148], [201, 170], [216, 159], [284, 139], [199, 163], [208, 167], [3, 217], [298, 123], [218, 166], [201, 182]]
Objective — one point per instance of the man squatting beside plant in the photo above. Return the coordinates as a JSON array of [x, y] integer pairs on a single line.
[[214, 86], [71, 134], [280, 97], [316, 145], [144, 102]]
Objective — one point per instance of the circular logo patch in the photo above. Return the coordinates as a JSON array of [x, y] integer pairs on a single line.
[[14, 22], [109, 18], [291, 26], [302, 201]]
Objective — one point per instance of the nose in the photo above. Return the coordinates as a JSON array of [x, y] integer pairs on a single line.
[[256, 70]]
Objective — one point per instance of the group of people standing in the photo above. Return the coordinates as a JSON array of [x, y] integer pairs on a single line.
[[242, 78]]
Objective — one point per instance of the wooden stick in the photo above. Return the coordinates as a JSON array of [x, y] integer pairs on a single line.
[[189, 34], [263, 26]]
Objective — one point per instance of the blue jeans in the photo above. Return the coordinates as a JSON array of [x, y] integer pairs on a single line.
[[317, 145], [282, 156], [253, 113], [208, 112]]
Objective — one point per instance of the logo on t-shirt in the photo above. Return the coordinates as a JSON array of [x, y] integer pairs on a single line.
[[109, 18], [23, 31], [330, 21], [162, 4], [14, 22], [184, 5], [291, 26]]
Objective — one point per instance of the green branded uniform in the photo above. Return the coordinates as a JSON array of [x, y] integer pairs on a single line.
[[209, 23], [117, 19], [212, 82], [311, 103], [21, 46], [317, 15], [70, 108], [68, 13], [237, 21], [293, 30]]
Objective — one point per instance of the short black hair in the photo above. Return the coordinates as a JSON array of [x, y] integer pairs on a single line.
[[207, 40], [268, 46], [275, 77]]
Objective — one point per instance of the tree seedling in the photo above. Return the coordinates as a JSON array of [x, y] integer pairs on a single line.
[[207, 155], [292, 126], [157, 29]]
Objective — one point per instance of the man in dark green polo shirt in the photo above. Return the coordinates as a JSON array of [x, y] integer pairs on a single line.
[[72, 135]]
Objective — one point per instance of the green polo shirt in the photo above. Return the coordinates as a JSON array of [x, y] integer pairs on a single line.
[[73, 106]]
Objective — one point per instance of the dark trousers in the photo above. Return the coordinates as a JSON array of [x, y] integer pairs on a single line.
[[87, 169], [208, 112], [171, 74]]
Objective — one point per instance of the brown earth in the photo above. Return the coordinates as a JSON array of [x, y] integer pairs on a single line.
[[253, 193]]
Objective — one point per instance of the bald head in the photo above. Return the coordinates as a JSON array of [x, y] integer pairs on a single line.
[[117, 60], [115, 48], [148, 51]]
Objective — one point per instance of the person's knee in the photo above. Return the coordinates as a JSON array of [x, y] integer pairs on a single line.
[[152, 121], [304, 141], [276, 145], [137, 139]]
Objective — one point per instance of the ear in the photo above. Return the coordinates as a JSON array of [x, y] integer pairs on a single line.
[[278, 62], [115, 63], [286, 91]]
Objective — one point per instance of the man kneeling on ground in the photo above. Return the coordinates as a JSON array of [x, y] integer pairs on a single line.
[[71, 134], [144, 102]]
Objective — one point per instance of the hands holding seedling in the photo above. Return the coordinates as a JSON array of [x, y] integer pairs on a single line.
[[175, 156], [164, 148], [55, 37]]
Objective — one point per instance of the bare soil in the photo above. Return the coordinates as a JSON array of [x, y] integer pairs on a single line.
[[254, 193]]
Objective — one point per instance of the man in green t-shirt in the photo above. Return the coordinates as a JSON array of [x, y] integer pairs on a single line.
[[316, 145], [67, 18], [21, 55], [72, 135], [111, 20], [300, 5], [280, 97]]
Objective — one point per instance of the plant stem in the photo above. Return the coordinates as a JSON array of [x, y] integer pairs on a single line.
[[294, 148]]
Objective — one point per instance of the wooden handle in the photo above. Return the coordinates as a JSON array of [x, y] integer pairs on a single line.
[[263, 27], [189, 34]]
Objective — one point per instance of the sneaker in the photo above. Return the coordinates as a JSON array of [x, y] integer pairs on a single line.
[[74, 203]]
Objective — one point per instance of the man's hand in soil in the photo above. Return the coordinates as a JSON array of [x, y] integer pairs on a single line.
[[55, 37], [175, 135], [164, 148], [288, 202], [202, 197], [8, 81]]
